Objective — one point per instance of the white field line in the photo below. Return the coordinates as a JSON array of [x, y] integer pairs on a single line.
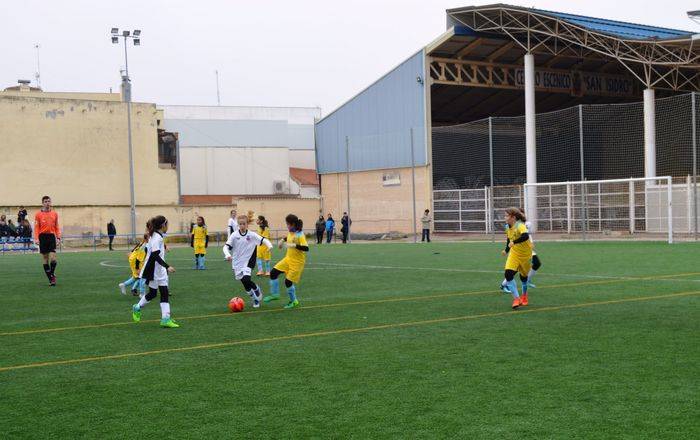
[[539, 274], [326, 266]]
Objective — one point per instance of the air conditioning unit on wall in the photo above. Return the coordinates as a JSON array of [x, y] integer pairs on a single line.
[[280, 187]]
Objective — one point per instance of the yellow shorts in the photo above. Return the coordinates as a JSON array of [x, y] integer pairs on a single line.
[[264, 253], [519, 264], [200, 248], [134, 271], [292, 271]]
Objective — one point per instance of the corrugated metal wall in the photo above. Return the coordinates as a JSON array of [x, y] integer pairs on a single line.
[[378, 122]]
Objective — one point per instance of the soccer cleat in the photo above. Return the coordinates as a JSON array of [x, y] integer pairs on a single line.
[[122, 288], [52, 281], [269, 298], [267, 274], [169, 323], [256, 300], [292, 304], [136, 313], [523, 299], [531, 286], [504, 289], [260, 273], [516, 303], [134, 293]]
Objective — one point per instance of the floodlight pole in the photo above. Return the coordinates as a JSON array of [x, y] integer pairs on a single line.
[[126, 92]]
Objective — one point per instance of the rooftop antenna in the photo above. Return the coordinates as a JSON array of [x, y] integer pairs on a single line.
[[37, 75], [218, 96]]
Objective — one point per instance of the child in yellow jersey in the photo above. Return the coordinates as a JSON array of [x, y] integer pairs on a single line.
[[292, 265], [136, 259], [199, 241], [263, 253], [519, 252]]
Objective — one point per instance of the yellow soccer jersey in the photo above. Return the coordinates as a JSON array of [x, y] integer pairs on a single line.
[[137, 255], [521, 250], [200, 233], [263, 252], [294, 256]]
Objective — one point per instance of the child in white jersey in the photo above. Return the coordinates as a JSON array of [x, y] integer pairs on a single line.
[[155, 273], [241, 250]]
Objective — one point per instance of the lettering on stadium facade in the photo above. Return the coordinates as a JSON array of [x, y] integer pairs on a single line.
[[580, 83]]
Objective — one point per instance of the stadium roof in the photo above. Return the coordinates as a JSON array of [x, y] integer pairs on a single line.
[[658, 57]]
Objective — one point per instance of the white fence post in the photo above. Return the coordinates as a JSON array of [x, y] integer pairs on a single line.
[[688, 201], [459, 208], [568, 208], [631, 206], [670, 209]]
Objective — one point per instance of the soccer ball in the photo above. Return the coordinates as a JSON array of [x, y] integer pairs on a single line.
[[236, 304]]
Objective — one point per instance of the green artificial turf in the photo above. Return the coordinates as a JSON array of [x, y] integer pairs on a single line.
[[391, 341]]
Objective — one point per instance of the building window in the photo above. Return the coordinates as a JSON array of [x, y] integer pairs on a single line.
[[167, 149], [391, 179]]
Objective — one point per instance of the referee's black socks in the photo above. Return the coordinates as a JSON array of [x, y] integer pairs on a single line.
[[47, 270], [53, 267]]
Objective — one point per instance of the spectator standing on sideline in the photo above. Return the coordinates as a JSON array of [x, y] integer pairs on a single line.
[[345, 228], [330, 228], [21, 215], [320, 227], [426, 220], [111, 232], [47, 234]]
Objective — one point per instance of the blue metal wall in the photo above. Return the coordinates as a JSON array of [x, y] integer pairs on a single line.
[[378, 122]]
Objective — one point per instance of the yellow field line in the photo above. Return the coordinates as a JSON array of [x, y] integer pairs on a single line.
[[342, 304], [343, 331]]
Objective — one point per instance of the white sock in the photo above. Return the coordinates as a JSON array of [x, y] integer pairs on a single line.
[[504, 282], [249, 292], [142, 301], [530, 275], [165, 310]]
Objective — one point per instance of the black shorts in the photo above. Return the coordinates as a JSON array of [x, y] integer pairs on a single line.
[[47, 243]]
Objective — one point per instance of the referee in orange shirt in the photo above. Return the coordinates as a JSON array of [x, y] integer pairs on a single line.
[[46, 234]]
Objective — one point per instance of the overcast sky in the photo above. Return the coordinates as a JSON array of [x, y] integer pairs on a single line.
[[268, 53]]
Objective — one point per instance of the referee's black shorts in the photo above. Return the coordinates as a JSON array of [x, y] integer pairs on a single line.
[[47, 243]]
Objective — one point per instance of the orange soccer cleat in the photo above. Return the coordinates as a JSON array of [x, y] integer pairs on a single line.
[[523, 299], [517, 302], [260, 273]]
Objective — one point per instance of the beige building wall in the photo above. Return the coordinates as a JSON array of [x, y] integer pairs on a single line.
[[76, 151], [374, 207]]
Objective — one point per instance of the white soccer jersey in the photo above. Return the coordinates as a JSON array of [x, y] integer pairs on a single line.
[[242, 248], [232, 226], [152, 270]]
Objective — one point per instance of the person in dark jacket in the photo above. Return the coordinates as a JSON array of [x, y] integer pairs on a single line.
[[111, 232], [345, 228], [330, 228], [320, 227], [24, 232], [21, 215]]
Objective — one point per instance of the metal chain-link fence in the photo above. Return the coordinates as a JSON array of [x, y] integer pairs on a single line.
[[480, 167]]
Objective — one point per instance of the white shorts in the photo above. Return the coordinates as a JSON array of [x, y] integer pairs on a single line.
[[158, 283], [240, 272]]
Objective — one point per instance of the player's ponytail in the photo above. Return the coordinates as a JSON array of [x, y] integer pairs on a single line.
[[264, 224], [295, 222], [515, 212], [155, 224]]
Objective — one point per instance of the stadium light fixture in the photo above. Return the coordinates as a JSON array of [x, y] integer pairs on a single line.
[[137, 41], [137, 32], [115, 31], [115, 40], [694, 15], [125, 33]]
